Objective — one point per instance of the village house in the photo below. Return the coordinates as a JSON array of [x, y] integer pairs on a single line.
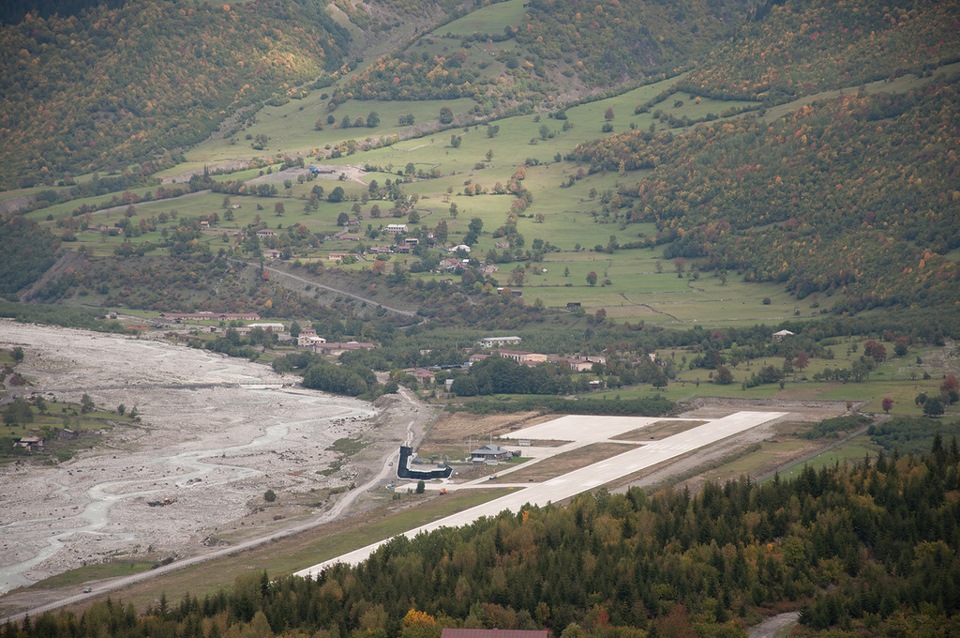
[[308, 338], [266, 232], [395, 229], [271, 254], [450, 263], [781, 335], [422, 375], [30, 443], [584, 363]]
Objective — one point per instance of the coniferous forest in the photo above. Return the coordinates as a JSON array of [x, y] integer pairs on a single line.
[[869, 548]]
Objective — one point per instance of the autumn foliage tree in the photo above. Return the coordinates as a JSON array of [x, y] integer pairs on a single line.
[[875, 350]]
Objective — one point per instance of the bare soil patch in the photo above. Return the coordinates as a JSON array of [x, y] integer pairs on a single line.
[[562, 463], [217, 433], [463, 431], [658, 430]]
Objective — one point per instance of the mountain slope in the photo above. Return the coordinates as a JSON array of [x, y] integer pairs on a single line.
[[802, 47], [854, 196], [554, 49], [114, 87]]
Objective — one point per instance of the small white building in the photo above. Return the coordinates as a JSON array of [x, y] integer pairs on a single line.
[[395, 229], [308, 338], [496, 342], [781, 335], [462, 247]]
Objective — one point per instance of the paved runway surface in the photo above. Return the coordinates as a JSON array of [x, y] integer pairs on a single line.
[[583, 429]]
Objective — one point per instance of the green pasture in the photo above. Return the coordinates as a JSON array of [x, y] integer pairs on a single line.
[[290, 128], [887, 381], [480, 56], [752, 463], [853, 451], [686, 391], [27, 192], [636, 290], [488, 20], [65, 209], [89, 573]]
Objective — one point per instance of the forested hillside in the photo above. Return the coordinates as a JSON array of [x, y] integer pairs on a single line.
[[557, 47], [35, 250], [13, 11], [800, 47], [112, 87], [854, 196], [606, 44], [872, 548]]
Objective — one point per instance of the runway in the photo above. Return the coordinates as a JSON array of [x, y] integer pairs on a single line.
[[584, 430]]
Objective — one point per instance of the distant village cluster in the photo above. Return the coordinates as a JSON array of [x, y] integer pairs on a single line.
[[308, 339]]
